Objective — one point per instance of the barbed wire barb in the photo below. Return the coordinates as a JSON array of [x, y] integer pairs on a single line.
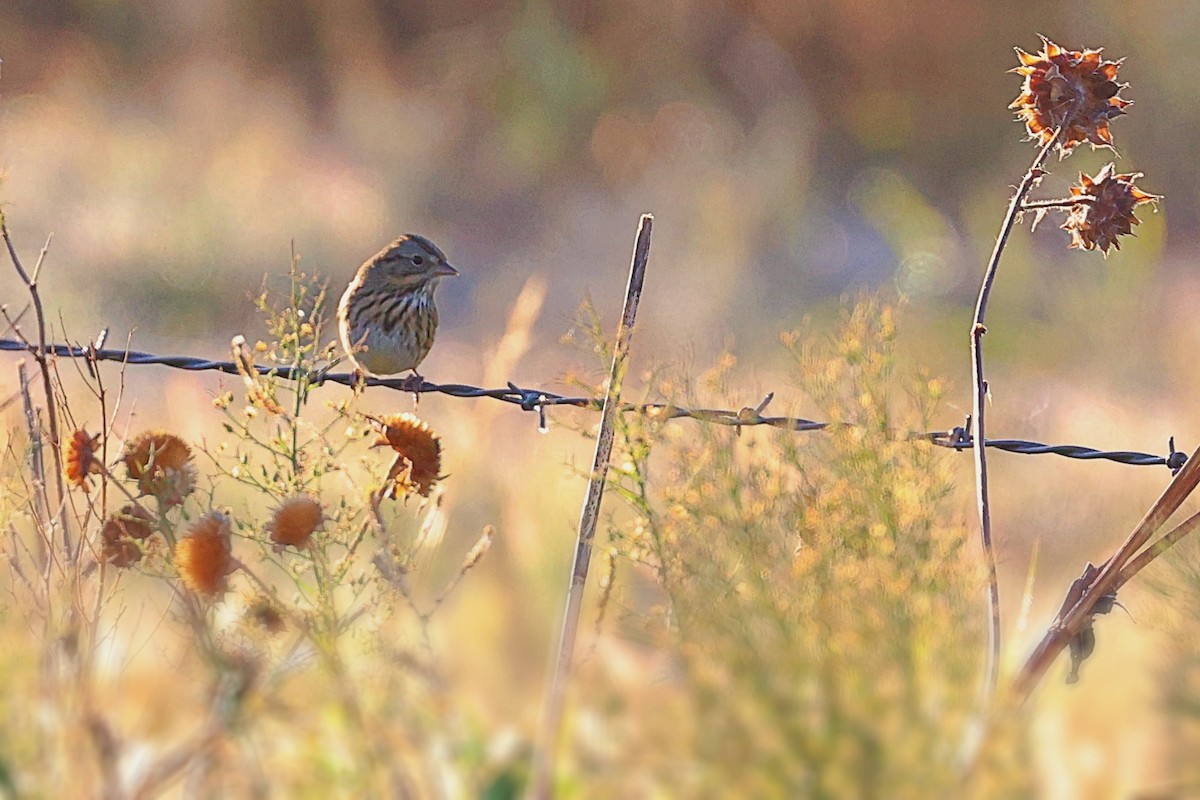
[[957, 438]]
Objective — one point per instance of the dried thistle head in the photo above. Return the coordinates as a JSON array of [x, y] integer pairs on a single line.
[[81, 458], [204, 558], [1072, 89], [161, 463], [295, 521], [1109, 215], [119, 532], [263, 612], [418, 449], [121, 553]]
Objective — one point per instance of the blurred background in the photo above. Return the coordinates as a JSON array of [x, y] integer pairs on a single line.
[[791, 151]]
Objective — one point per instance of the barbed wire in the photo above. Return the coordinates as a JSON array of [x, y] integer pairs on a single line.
[[957, 438]]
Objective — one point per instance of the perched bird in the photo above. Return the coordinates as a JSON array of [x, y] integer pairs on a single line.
[[386, 318]]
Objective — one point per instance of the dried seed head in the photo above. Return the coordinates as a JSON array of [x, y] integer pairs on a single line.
[[132, 522], [204, 558], [295, 520], [118, 534], [419, 453], [1110, 214], [1072, 89], [264, 613], [161, 463], [81, 458], [121, 553]]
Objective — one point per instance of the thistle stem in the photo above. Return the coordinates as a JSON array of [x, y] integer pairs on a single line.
[[1032, 176], [1065, 202]]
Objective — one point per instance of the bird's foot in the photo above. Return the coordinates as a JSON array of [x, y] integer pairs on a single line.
[[360, 381], [413, 383]]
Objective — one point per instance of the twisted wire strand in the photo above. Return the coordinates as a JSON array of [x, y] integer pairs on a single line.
[[538, 400]]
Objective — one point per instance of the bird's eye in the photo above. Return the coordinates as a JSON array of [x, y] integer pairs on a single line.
[[418, 260]]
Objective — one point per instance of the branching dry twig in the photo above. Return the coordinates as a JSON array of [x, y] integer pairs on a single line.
[[1065, 202], [1162, 545], [39, 355], [1104, 581]]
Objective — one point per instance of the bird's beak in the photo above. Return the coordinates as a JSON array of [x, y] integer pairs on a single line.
[[445, 270]]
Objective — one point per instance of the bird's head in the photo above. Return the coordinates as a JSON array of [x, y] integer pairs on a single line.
[[413, 260]]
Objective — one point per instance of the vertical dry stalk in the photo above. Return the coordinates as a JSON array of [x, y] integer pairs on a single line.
[[1032, 176], [41, 503], [544, 758]]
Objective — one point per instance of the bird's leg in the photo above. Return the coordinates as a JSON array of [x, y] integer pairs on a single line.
[[413, 383], [360, 381]]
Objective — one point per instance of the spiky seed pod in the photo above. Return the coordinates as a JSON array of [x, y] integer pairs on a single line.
[[418, 463], [263, 612], [1074, 89], [295, 521], [204, 558], [81, 458], [161, 463], [119, 532], [1109, 215]]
